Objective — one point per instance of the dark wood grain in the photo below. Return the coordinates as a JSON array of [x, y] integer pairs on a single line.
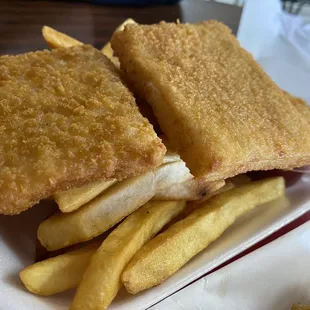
[[21, 21]]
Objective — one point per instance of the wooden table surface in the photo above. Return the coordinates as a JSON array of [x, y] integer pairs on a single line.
[[21, 23]]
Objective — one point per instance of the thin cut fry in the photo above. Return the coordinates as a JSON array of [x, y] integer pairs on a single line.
[[227, 186], [101, 280], [170, 250], [191, 206], [58, 274], [56, 39], [72, 199], [109, 208]]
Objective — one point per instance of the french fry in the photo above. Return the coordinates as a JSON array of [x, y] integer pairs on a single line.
[[191, 206], [98, 215], [59, 273], [229, 184], [65, 271], [192, 189], [101, 280], [158, 259], [109, 208], [107, 49], [56, 39], [43, 254], [72, 199]]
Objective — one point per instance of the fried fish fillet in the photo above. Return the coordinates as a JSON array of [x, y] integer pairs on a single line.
[[66, 120], [211, 98], [300, 105]]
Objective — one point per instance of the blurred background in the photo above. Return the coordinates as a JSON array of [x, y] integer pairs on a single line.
[[94, 21]]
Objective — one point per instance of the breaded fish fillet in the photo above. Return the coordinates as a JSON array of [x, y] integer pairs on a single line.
[[66, 119], [210, 97], [300, 105]]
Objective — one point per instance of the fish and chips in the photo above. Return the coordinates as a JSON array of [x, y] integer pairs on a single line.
[[143, 203]]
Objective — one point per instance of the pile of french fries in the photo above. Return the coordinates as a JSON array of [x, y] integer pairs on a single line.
[[155, 228]]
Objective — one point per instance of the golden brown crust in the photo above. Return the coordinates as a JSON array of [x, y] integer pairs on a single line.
[[300, 105], [210, 97], [66, 120]]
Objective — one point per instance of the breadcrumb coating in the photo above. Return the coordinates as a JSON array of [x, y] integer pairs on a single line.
[[66, 119], [211, 98]]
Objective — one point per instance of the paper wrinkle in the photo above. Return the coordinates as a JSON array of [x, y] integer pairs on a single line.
[[254, 282], [296, 31]]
